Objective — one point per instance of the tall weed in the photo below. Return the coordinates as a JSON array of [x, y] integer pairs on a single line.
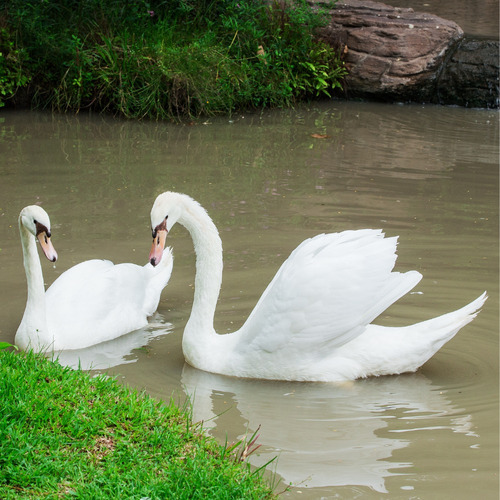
[[167, 59]]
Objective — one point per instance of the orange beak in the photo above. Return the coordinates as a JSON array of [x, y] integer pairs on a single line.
[[47, 247], [157, 248]]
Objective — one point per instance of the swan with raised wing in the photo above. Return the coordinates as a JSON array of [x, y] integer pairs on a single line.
[[313, 321], [90, 303]]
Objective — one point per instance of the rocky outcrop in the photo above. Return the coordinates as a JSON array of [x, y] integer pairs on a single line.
[[396, 54], [470, 76]]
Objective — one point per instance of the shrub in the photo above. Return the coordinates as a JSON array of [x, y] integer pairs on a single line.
[[162, 59], [12, 61]]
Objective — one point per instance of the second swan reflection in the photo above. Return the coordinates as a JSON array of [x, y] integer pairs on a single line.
[[313, 321]]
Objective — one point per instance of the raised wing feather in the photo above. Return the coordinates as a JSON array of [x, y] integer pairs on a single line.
[[326, 292], [96, 300], [159, 276]]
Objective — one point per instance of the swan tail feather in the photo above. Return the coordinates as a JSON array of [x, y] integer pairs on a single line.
[[408, 348], [444, 327], [436, 332]]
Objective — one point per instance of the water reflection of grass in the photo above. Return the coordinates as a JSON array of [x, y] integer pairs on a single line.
[[64, 433]]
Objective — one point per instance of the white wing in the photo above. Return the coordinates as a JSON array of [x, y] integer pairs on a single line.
[[325, 294], [97, 301]]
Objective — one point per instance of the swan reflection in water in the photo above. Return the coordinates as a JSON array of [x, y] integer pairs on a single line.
[[323, 434], [114, 352], [326, 434]]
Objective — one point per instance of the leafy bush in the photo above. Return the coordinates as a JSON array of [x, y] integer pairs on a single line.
[[12, 61], [162, 59]]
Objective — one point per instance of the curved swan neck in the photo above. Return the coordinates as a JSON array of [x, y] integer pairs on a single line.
[[208, 248], [34, 318]]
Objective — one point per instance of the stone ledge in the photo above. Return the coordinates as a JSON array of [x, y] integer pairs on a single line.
[[396, 54], [470, 76]]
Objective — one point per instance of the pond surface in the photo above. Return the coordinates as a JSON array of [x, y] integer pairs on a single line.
[[478, 18], [426, 173]]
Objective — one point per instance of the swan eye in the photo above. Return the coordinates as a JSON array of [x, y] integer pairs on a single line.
[[159, 227], [40, 228]]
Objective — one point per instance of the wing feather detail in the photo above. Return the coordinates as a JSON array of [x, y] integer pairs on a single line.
[[326, 293]]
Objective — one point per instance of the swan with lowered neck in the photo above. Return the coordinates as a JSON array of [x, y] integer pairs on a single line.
[[90, 303], [313, 321]]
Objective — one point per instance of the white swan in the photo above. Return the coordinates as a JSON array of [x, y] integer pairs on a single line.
[[312, 323], [90, 303]]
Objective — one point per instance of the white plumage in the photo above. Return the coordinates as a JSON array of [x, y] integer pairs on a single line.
[[313, 321], [90, 303]]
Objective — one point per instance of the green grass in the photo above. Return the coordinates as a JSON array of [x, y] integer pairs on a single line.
[[164, 59], [65, 434]]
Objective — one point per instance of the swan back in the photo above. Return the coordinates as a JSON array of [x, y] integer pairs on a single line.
[[96, 300]]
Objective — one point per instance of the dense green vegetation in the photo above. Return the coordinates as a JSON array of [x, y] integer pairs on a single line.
[[65, 434], [163, 59]]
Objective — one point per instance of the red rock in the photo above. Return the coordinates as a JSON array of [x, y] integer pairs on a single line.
[[393, 53]]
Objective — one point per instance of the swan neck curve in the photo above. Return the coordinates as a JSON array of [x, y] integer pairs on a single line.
[[33, 325], [199, 329]]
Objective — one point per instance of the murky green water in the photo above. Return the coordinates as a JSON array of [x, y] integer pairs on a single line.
[[428, 174]]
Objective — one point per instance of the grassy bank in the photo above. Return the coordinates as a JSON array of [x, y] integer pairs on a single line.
[[65, 434], [163, 59]]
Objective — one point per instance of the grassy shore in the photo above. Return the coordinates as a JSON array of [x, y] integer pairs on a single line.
[[65, 434], [164, 59]]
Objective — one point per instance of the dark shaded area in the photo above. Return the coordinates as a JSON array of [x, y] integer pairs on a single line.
[[470, 76]]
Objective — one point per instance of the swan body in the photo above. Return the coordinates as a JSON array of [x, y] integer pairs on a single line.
[[313, 321], [90, 303]]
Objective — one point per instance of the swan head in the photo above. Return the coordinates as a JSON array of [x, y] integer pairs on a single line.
[[36, 221], [167, 210]]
